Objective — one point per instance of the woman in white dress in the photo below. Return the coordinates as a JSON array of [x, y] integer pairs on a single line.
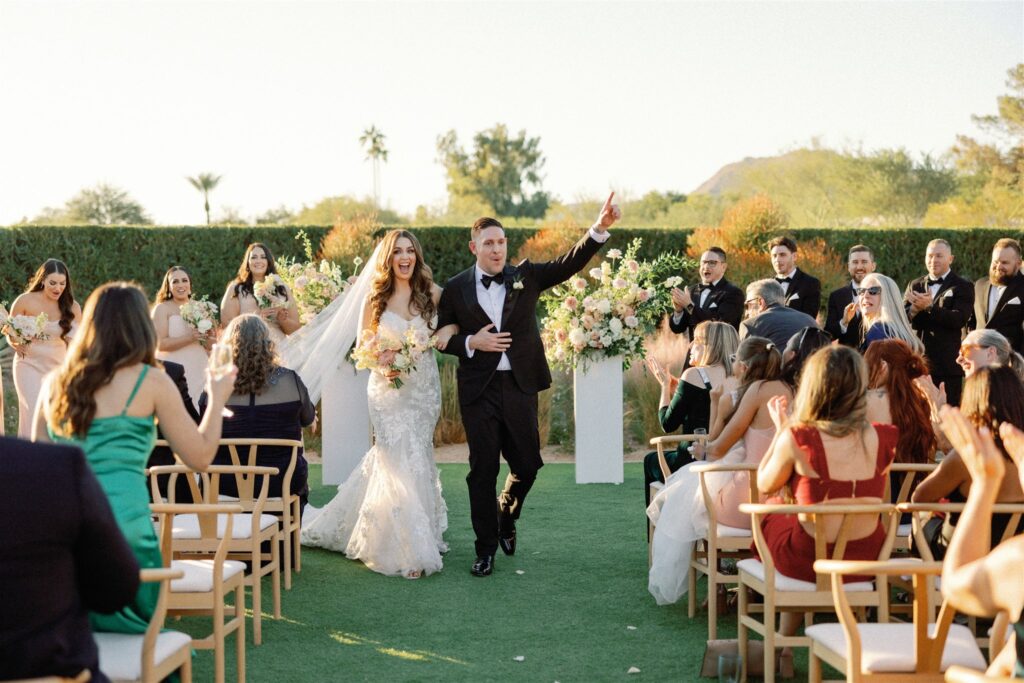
[[176, 340], [390, 513], [239, 298]]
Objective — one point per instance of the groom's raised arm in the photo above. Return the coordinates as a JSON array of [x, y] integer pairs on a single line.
[[573, 261]]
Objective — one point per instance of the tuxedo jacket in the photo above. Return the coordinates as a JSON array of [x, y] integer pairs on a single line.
[[1008, 317], [523, 286], [61, 555], [941, 325], [724, 304], [838, 300], [804, 293]]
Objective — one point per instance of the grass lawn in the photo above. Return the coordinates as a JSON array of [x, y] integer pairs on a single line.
[[583, 555]]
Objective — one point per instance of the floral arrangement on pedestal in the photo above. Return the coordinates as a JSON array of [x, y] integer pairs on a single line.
[[611, 312], [314, 283]]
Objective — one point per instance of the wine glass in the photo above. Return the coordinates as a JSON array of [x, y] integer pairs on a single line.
[[221, 363], [729, 666]]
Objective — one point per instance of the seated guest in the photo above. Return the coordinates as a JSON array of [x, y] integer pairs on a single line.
[[992, 396], [895, 398], [801, 292], [798, 349], [985, 348], [61, 555], [686, 402], [269, 402], [975, 578], [842, 302], [881, 313], [827, 452], [162, 455], [769, 317]]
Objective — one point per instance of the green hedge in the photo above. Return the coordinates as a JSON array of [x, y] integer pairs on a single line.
[[97, 254]]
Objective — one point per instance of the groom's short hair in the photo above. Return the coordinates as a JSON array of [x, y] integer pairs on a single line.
[[484, 223]]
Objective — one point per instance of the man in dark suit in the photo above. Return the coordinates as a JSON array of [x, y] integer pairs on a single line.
[[501, 369], [939, 307], [999, 298], [860, 261], [61, 555], [714, 298], [162, 455], [803, 292], [770, 317]]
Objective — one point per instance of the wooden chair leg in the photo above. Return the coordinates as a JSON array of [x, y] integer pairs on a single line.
[[287, 557], [814, 668], [275, 576], [240, 633], [218, 641], [741, 633], [712, 603], [769, 644], [186, 670], [257, 603]]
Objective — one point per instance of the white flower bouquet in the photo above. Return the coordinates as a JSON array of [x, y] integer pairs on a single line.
[[200, 315], [387, 352], [314, 284], [24, 329], [612, 312], [266, 292]]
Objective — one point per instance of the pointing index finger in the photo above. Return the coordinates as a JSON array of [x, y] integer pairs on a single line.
[[608, 202]]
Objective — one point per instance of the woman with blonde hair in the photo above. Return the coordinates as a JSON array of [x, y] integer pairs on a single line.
[[882, 313], [389, 513]]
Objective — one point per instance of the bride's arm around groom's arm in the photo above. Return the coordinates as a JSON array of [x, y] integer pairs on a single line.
[[573, 261]]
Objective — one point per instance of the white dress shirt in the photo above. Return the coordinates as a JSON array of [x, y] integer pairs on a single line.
[[705, 293], [995, 293], [934, 289], [785, 285]]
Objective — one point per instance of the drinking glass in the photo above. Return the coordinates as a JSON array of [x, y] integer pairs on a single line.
[[729, 668], [699, 447]]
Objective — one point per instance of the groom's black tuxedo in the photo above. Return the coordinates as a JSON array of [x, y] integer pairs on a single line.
[[499, 408]]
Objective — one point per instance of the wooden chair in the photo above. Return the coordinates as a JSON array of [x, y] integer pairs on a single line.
[[886, 653], [250, 530], [960, 674], [784, 594], [154, 655], [83, 677], [207, 582], [913, 473], [722, 542], [287, 504]]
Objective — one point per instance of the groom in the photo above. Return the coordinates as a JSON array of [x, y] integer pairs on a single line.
[[501, 369]]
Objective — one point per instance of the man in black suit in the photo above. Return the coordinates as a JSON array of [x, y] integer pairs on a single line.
[[803, 292], [501, 369], [714, 298], [999, 298], [162, 455], [770, 317], [939, 307], [860, 261], [61, 555]]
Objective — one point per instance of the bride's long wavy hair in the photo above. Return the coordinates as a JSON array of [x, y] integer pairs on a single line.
[[383, 285]]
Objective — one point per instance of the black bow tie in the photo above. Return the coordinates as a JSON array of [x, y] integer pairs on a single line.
[[935, 282], [709, 287], [488, 279], [784, 280]]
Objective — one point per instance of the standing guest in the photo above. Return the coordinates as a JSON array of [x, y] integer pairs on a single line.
[[842, 304], [177, 340], [686, 401], [985, 348], [999, 298], [257, 265], [802, 291], [105, 398], [49, 292], [881, 313], [268, 402], [768, 316], [715, 298], [939, 306], [61, 555]]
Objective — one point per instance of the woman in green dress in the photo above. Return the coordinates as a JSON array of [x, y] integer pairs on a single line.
[[105, 398]]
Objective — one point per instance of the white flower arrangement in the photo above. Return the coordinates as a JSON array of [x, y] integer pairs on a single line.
[[314, 283], [200, 315], [24, 329]]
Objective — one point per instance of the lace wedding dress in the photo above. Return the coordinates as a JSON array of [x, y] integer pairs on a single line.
[[390, 513]]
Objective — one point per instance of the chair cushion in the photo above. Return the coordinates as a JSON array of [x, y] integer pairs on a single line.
[[889, 648], [733, 532], [228, 499], [186, 527], [755, 568], [904, 530], [121, 653], [199, 575]]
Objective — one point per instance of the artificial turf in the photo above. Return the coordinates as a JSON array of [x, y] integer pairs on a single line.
[[583, 557]]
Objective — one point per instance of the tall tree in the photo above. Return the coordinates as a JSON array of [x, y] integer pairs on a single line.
[[100, 205], [205, 182], [501, 171], [373, 139]]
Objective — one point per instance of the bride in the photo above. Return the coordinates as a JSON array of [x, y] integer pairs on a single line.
[[389, 513]]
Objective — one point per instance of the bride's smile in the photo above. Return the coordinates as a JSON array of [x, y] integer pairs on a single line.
[[403, 258]]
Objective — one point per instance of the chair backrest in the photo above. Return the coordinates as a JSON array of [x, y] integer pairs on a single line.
[[705, 470], [246, 452], [818, 515], [921, 512], [208, 518], [912, 472], [172, 472], [156, 621], [660, 442]]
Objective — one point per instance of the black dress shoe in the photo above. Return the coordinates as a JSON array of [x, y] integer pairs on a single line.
[[483, 566], [508, 543]]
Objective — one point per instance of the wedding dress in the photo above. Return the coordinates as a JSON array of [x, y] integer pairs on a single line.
[[390, 513]]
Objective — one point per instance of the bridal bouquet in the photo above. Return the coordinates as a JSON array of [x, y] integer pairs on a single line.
[[388, 352], [200, 315], [313, 284], [24, 329], [266, 292], [612, 312]]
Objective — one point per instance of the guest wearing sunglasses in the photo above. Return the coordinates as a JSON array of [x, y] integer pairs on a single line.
[[880, 308], [769, 317], [985, 348]]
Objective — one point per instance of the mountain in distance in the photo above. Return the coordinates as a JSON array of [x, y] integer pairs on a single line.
[[734, 177]]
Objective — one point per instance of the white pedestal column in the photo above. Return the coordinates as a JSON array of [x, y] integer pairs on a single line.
[[346, 422], [598, 411]]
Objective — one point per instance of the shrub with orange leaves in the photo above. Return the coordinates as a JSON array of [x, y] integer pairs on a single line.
[[350, 239]]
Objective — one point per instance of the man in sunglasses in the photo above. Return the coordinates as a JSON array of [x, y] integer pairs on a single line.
[[999, 298], [939, 307], [860, 262], [768, 316]]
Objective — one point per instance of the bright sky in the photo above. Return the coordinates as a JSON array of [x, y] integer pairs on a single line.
[[624, 95]]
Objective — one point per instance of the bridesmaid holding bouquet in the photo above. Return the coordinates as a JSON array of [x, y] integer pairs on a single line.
[[185, 328], [39, 330], [259, 289]]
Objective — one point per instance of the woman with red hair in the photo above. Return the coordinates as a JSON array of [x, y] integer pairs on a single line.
[[895, 398]]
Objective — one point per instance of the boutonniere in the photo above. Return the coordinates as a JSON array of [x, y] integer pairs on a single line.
[[517, 281]]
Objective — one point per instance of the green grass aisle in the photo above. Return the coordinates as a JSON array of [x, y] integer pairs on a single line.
[[582, 552]]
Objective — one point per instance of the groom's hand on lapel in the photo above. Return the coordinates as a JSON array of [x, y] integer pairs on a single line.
[[609, 214], [484, 340]]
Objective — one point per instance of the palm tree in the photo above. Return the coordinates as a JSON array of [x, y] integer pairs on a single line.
[[373, 139], [205, 182]]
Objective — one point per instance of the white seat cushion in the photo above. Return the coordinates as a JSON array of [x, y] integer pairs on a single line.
[[784, 583], [656, 486], [224, 498], [889, 648], [186, 527], [733, 532], [199, 575], [904, 530], [121, 653]]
